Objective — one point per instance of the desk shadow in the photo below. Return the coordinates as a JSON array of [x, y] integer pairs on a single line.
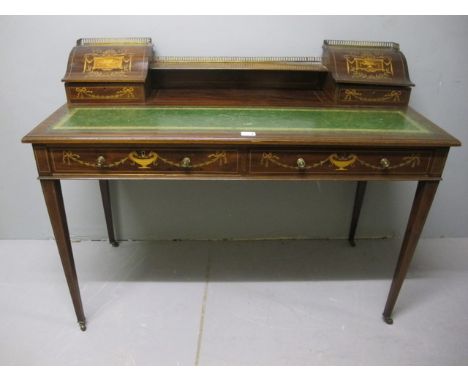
[[237, 261]]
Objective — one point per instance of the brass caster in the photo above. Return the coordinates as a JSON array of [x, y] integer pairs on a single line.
[[82, 326], [114, 243], [388, 320]]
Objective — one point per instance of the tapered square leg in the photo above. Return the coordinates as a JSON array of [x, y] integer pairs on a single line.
[[54, 202], [358, 199], [424, 196], [106, 202]]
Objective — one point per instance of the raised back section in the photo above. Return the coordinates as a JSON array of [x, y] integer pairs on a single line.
[[124, 71], [109, 70]]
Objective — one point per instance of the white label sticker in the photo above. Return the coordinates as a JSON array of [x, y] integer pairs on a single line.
[[248, 134]]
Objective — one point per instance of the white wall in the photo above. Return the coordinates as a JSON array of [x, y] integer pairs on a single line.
[[33, 57]]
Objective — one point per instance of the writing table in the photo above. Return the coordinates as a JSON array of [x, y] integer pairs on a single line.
[[343, 116], [232, 142]]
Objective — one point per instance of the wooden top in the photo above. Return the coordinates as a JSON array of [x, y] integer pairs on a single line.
[[236, 125]]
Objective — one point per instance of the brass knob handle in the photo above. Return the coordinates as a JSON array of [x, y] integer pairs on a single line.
[[385, 163], [301, 163], [185, 163], [100, 161]]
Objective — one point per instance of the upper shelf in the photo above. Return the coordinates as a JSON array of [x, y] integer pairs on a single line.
[[239, 63]]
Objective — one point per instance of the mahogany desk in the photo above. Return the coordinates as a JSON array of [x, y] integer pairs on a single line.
[[175, 142]]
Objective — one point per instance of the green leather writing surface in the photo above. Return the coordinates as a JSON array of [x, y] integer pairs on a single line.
[[237, 119]]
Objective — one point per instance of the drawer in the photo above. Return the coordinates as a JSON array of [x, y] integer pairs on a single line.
[[86, 93], [339, 162], [144, 160]]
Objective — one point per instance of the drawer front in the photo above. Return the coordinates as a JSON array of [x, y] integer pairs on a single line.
[[366, 95], [88, 93], [359, 162], [145, 160]]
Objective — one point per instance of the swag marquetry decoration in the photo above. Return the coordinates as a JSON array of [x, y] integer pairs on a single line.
[[342, 162], [121, 93], [143, 159], [392, 96]]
